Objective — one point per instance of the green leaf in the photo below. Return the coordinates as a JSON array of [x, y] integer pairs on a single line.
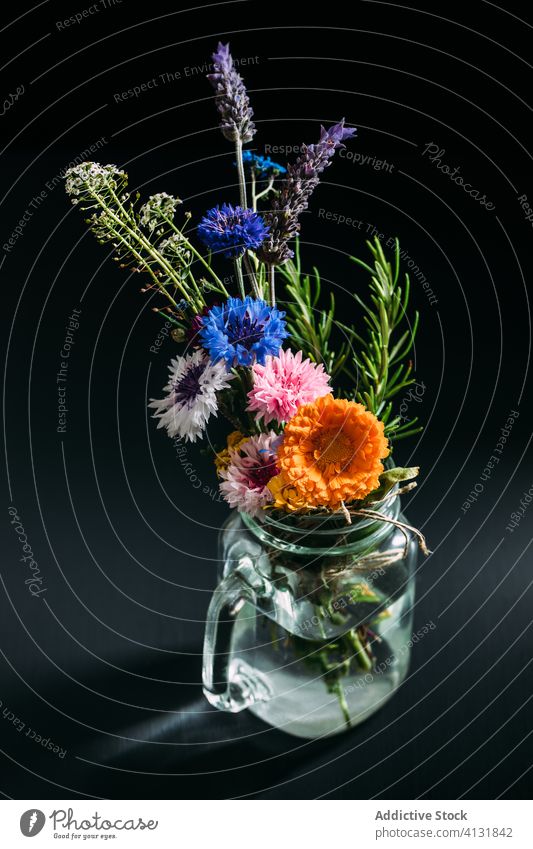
[[389, 479], [357, 593]]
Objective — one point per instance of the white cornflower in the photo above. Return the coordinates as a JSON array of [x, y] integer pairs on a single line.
[[93, 177], [158, 207], [191, 395]]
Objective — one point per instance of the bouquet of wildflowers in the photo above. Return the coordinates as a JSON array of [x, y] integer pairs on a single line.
[[311, 417], [309, 400]]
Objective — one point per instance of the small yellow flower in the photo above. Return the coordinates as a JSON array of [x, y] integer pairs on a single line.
[[234, 441], [286, 496]]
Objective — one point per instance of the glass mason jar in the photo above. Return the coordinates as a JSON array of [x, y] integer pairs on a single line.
[[311, 622]]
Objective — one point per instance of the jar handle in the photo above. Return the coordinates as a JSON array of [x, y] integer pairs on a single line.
[[231, 685]]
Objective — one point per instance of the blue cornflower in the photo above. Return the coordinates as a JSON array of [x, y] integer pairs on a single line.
[[232, 230], [262, 165], [242, 332]]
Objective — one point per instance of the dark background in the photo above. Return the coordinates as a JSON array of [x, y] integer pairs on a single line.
[[107, 662]]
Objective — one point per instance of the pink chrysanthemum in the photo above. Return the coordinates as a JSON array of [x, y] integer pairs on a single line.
[[251, 466], [283, 384]]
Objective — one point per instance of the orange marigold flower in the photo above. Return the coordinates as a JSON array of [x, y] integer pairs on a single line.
[[332, 451]]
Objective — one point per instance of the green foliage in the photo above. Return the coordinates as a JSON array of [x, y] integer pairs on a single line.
[[309, 325], [374, 359], [144, 240], [379, 365], [388, 480]]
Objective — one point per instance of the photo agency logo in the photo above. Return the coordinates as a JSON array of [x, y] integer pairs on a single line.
[[65, 821], [66, 824], [32, 822]]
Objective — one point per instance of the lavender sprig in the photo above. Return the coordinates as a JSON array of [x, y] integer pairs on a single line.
[[303, 176], [231, 98]]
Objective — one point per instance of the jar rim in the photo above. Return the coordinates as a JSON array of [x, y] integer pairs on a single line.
[[364, 532]]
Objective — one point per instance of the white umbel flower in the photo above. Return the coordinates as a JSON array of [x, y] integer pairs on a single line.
[[158, 208], [93, 177], [191, 395]]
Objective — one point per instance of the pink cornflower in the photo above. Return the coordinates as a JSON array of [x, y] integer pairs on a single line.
[[283, 384], [251, 466]]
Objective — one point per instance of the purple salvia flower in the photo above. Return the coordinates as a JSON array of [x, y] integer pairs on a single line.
[[231, 97], [303, 176]]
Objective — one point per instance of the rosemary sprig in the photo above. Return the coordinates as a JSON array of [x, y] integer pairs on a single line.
[[309, 325], [380, 354]]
